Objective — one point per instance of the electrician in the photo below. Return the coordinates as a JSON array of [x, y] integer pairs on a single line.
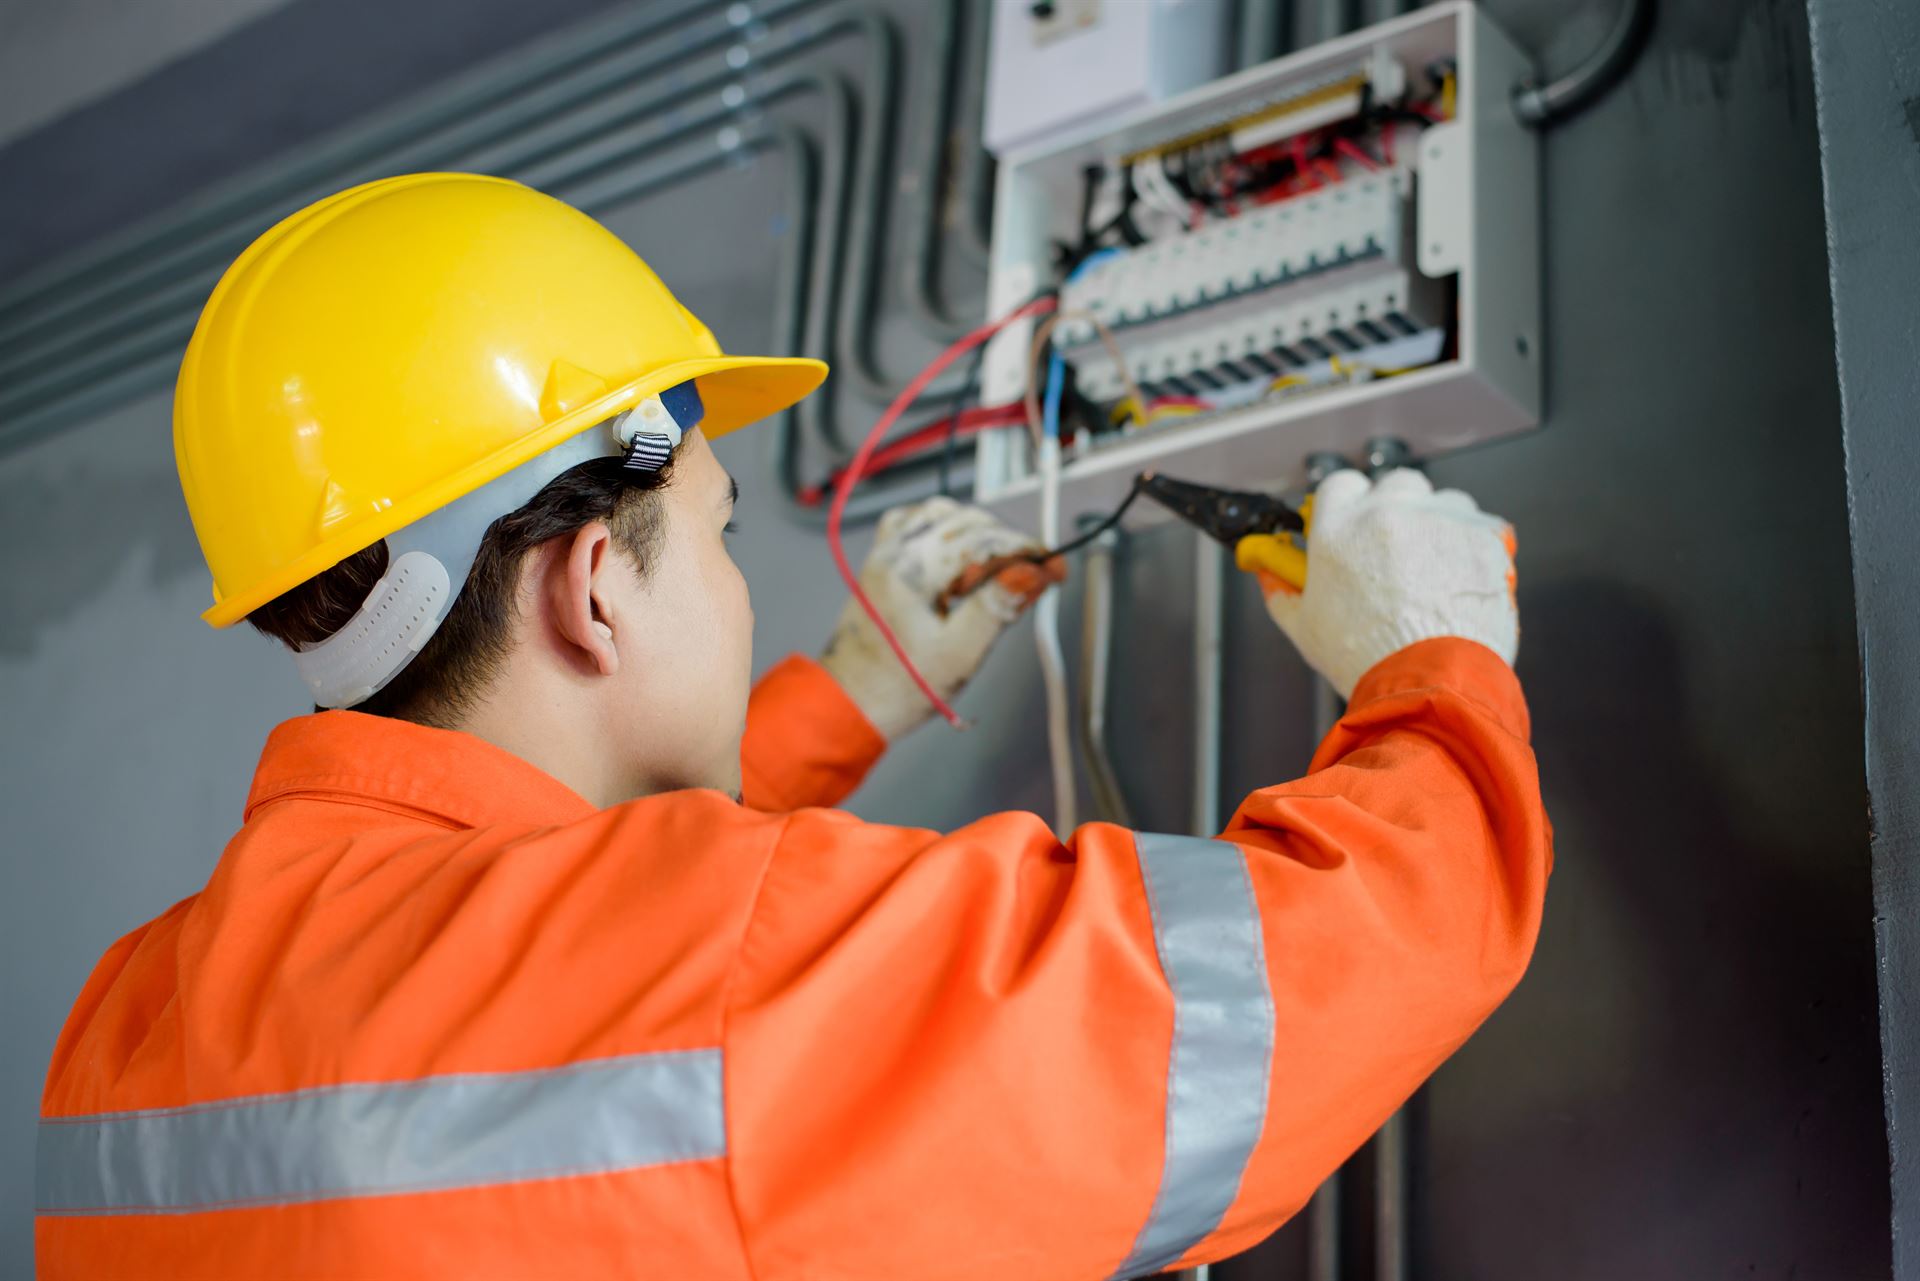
[[545, 955]]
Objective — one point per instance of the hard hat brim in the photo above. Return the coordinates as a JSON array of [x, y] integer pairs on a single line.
[[736, 391]]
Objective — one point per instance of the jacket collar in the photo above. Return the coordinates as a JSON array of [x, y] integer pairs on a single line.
[[382, 763]]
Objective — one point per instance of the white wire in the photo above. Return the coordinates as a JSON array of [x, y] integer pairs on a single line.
[[1053, 659], [1160, 198], [1165, 195], [1209, 599]]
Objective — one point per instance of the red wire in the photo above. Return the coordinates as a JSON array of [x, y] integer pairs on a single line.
[[850, 478], [1302, 167], [1352, 152], [972, 422]]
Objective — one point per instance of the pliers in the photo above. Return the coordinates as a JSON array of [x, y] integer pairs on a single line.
[[1265, 534]]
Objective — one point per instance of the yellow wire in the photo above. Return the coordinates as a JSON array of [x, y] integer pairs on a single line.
[[1446, 96], [1352, 371], [1178, 411]]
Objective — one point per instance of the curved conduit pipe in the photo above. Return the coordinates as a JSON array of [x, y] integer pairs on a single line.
[[206, 257], [852, 312], [1323, 1210], [117, 372], [976, 184], [845, 300], [473, 111], [926, 306], [150, 374], [1541, 106]]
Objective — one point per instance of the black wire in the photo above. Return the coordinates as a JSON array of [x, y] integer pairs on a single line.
[[993, 567], [1111, 519]]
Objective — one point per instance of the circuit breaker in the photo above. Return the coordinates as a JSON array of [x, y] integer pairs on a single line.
[[1056, 65], [1312, 254]]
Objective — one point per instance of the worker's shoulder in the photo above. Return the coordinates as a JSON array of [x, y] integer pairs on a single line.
[[325, 949], [371, 856]]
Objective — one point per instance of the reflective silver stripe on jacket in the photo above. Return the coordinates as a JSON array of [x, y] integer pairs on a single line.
[[381, 1139], [1206, 926]]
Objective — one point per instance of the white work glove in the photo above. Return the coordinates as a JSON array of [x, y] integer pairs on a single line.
[[919, 552], [1389, 563]]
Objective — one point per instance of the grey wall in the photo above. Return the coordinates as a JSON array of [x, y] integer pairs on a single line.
[[1867, 69], [58, 54], [1686, 1085]]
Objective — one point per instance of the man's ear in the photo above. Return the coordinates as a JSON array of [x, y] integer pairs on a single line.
[[575, 586]]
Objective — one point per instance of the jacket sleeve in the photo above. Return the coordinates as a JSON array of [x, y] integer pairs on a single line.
[[806, 742], [991, 1053]]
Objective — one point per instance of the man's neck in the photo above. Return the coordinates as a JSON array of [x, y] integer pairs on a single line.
[[555, 744]]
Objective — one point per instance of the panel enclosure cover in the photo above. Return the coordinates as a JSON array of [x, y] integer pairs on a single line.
[[1466, 234], [1055, 64]]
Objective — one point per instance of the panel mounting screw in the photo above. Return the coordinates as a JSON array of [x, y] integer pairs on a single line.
[[1384, 453]]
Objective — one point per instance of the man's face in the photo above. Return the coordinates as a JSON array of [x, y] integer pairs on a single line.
[[684, 702]]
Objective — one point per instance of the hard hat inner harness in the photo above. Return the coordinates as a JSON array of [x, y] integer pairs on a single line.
[[429, 560]]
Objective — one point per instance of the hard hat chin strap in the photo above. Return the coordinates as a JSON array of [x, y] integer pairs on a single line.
[[429, 560]]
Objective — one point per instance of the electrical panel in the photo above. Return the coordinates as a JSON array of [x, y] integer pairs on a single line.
[[1058, 64], [1334, 248]]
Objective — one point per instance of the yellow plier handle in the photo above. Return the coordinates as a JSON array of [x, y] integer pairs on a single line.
[[1281, 556]]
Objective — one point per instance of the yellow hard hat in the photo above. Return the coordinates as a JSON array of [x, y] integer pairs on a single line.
[[399, 345]]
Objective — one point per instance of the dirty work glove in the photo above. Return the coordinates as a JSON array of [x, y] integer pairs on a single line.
[[1391, 562], [918, 554]]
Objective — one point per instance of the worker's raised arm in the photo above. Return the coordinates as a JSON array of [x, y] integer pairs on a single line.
[[807, 742], [1132, 1050], [813, 730], [1058, 1060]]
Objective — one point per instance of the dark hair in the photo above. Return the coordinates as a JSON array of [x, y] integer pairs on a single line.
[[456, 666]]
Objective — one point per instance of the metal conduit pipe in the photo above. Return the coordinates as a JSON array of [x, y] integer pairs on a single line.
[[853, 310], [843, 300], [851, 305], [1391, 1252], [870, 203], [1335, 18], [882, 72], [1209, 626], [1096, 655], [923, 297], [29, 396], [218, 225], [24, 397], [1261, 24], [203, 258], [1323, 1211], [974, 201], [1391, 1240], [451, 100], [1540, 106], [153, 368], [1209, 629], [799, 323]]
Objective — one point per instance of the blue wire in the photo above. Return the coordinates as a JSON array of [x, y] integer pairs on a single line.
[[1056, 368], [1098, 254], [1050, 410]]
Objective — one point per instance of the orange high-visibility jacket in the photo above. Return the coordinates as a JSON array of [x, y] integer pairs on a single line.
[[434, 1015]]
